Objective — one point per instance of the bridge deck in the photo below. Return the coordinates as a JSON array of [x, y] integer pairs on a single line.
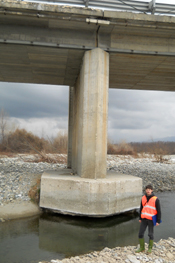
[[46, 44]]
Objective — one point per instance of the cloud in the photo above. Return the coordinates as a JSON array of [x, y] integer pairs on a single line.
[[140, 115], [134, 115], [43, 127], [31, 100]]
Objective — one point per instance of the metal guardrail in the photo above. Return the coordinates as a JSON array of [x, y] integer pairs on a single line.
[[151, 7]]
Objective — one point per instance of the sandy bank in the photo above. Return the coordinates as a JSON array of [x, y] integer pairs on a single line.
[[18, 209]]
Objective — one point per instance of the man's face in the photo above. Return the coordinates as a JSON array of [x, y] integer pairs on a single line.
[[149, 191]]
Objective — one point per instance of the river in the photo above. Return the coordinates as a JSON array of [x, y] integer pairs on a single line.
[[49, 237]]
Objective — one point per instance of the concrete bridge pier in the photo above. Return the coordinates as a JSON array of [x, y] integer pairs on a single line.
[[86, 188], [88, 114]]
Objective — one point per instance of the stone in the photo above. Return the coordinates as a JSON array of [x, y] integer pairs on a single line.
[[169, 255], [133, 259]]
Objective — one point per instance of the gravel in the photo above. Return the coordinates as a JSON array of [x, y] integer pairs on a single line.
[[160, 175], [162, 252], [18, 174]]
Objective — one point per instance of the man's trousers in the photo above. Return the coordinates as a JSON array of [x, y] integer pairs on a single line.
[[143, 225]]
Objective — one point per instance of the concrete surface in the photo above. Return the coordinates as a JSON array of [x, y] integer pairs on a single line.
[[89, 116], [45, 44], [65, 193], [19, 210]]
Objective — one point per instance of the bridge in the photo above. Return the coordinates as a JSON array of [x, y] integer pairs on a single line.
[[90, 50], [47, 43]]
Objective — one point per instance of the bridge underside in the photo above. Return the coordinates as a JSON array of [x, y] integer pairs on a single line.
[[45, 44], [90, 51], [58, 66]]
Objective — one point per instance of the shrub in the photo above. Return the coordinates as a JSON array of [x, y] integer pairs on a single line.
[[60, 143], [122, 148], [21, 141]]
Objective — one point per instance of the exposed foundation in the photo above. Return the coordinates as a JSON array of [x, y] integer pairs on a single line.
[[85, 189], [69, 194]]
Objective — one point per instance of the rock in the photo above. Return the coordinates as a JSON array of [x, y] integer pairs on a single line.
[[169, 255], [20, 173], [127, 255], [133, 259]]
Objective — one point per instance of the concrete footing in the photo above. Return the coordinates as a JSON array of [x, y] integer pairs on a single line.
[[65, 193]]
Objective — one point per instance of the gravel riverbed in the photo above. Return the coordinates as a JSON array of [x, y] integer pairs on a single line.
[[162, 252], [160, 174], [19, 173]]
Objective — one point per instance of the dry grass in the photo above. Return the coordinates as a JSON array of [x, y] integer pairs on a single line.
[[54, 150], [21, 141], [160, 158], [7, 154], [122, 148], [34, 192], [48, 158]]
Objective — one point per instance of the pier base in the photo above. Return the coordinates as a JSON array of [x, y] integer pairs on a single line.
[[65, 193]]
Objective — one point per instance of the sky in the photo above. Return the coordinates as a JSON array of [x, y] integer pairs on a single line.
[[132, 116]]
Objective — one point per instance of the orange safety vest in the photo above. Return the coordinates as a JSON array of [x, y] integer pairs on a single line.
[[149, 208]]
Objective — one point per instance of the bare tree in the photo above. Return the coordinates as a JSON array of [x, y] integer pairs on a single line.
[[3, 125]]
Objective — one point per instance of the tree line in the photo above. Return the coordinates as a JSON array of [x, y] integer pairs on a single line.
[[15, 140]]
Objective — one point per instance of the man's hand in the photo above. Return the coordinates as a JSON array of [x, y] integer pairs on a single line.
[[157, 224], [140, 221]]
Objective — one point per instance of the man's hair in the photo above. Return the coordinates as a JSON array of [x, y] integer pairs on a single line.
[[149, 186]]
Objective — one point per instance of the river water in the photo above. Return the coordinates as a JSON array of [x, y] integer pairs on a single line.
[[55, 237]]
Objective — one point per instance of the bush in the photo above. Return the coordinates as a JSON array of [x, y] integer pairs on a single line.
[[122, 148], [21, 141], [60, 143]]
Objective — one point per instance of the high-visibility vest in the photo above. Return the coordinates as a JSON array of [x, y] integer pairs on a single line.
[[149, 208]]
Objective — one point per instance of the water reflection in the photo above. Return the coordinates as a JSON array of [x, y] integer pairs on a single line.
[[54, 237], [75, 236]]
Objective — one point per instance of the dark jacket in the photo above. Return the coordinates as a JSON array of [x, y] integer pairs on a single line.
[[157, 208]]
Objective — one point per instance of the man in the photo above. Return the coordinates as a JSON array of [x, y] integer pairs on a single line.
[[150, 206]]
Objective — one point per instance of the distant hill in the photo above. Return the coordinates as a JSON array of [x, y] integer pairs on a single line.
[[165, 139]]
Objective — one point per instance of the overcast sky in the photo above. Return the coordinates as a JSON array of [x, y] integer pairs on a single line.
[[133, 115]]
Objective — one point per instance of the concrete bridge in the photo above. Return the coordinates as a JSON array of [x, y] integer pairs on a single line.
[[89, 50]]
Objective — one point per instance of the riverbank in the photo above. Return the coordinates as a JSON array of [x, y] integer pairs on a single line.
[[18, 174], [162, 252], [18, 209]]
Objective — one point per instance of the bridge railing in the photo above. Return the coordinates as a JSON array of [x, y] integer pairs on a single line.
[[151, 7]]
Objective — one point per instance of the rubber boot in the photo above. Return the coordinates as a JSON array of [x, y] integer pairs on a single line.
[[150, 246], [142, 245]]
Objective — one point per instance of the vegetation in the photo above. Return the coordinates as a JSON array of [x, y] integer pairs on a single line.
[[34, 192], [21, 141], [15, 140], [122, 148]]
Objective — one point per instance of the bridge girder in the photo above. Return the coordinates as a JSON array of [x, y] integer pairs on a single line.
[[46, 45]]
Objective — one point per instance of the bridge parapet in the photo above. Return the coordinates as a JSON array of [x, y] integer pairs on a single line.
[[147, 7]]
